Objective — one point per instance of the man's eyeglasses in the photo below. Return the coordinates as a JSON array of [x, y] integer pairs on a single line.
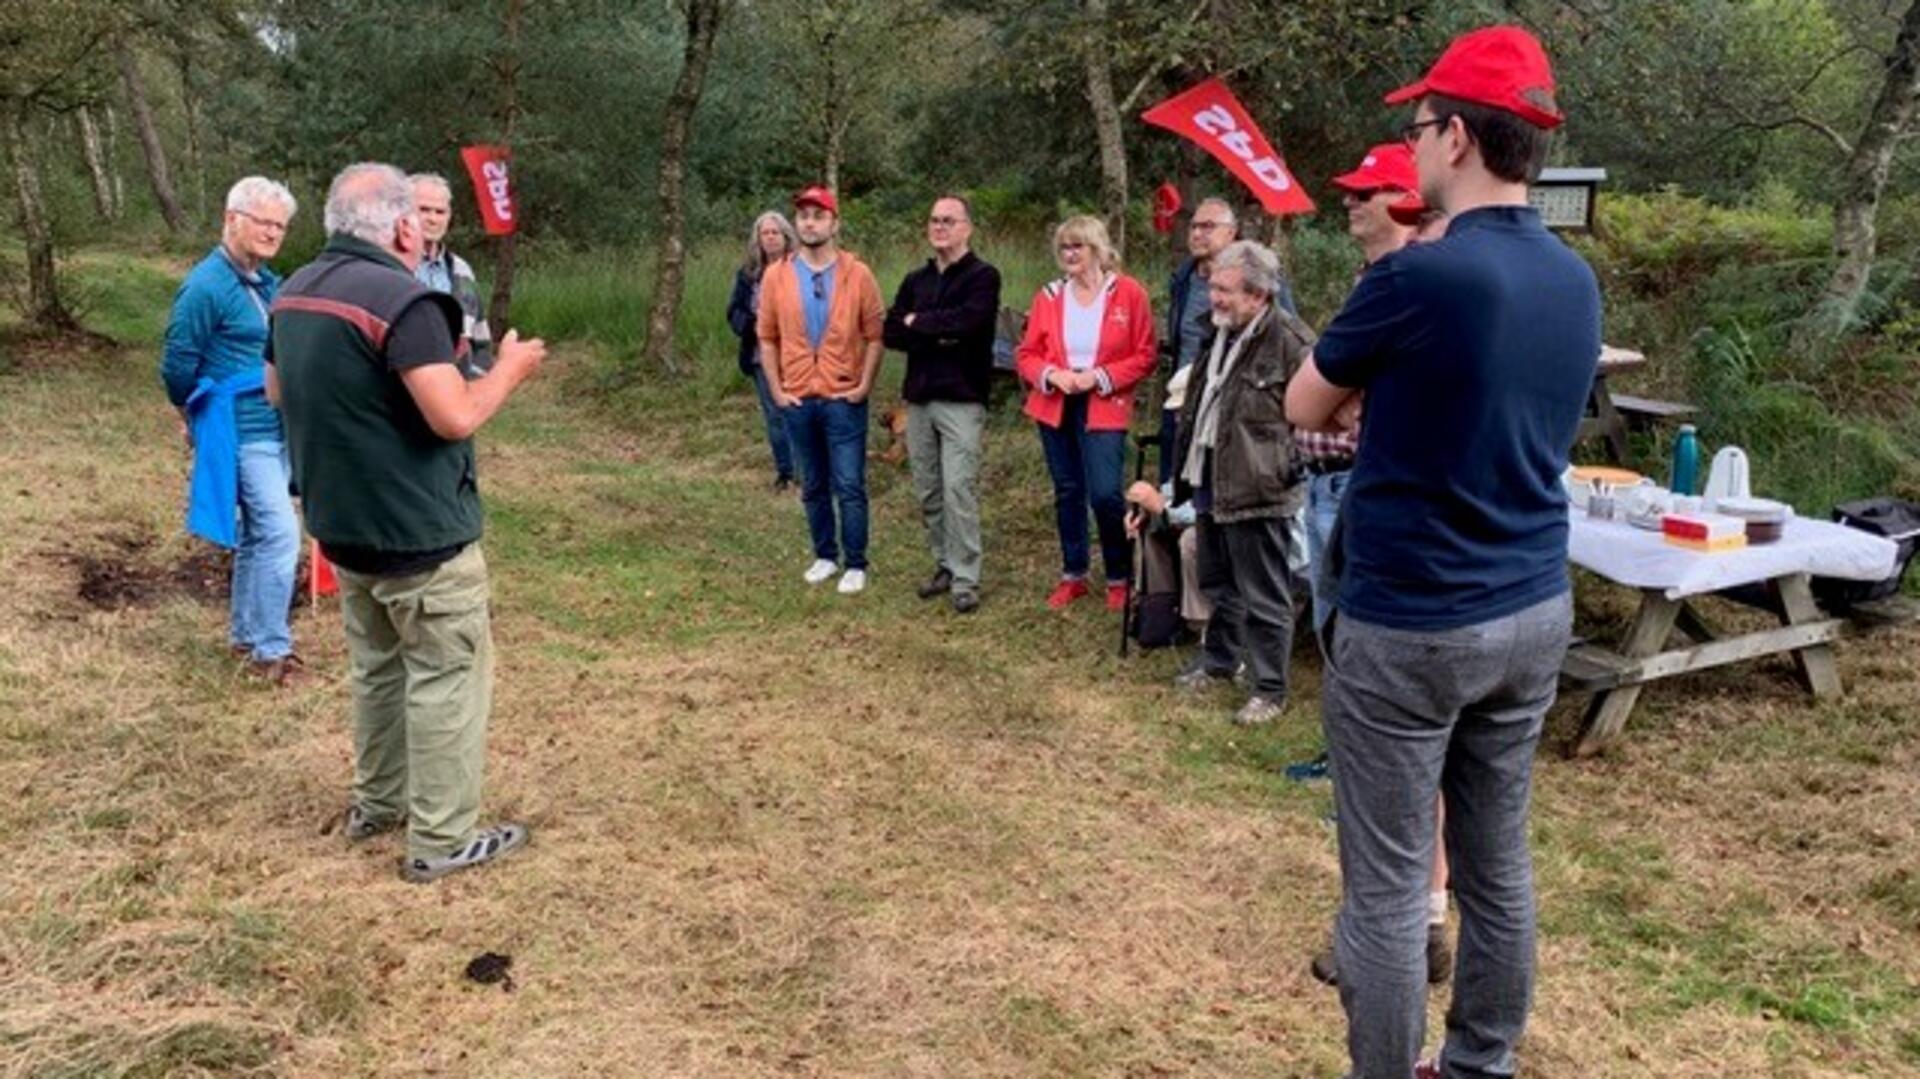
[[1410, 133], [1206, 226], [944, 222], [264, 222]]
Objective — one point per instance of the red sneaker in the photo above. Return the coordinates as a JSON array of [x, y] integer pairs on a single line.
[[1427, 1069], [1066, 592], [1116, 597]]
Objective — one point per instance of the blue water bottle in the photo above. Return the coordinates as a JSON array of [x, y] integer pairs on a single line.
[[1686, 461]]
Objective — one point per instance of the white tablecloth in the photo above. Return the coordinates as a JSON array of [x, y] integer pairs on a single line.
[[1641, 559]]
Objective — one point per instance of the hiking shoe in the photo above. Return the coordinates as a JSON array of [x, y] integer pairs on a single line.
[[939, 584], [1197, 676], [852, 581], [1258, 710], [287, 672], [486, 845], [965, 601], [1323, 967], [1439, 957], [1066, 592], [821, 569], [1117, 596], [358, 827]]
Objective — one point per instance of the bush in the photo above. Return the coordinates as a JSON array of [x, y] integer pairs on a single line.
[[1658, 244]]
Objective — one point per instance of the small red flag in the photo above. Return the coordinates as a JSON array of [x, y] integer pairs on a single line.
[[1166, 206], [487, 167], [1210, 116]]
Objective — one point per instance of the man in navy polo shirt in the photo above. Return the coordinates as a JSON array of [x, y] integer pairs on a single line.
[[1474, 354]]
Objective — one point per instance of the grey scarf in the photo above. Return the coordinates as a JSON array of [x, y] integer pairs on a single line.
[[1206, 418]]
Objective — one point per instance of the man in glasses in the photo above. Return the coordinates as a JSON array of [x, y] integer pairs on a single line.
[[444, 271], [212, 366], [1476, 353], [820, 341], [943, 319]]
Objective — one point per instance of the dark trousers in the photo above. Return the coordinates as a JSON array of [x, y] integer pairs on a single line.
[[830, 437], [1243, 572], [776, 421], [1087, 468]]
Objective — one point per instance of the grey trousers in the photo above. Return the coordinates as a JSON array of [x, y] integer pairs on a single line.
[[1244, 574], [1409, 715], [943, 444]]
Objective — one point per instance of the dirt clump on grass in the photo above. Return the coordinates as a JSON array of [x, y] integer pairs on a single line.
[[124, 569]]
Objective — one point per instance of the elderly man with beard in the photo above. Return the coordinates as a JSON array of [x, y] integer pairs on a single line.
[[1236, 466]]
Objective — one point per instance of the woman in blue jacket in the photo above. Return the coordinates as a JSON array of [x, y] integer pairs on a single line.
[[771, 240]]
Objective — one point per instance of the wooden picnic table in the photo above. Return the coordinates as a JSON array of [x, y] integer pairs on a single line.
[[1669, 578], [1602, 418]]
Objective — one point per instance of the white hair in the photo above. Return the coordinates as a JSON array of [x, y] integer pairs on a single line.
[[251, 191], [433, 178], [1225, 208], [367, 200], [1259, 267]]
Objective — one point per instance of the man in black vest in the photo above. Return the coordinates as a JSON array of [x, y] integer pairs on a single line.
[[364, 364]]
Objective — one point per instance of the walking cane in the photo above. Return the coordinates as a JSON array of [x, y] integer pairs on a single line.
[[1140, 442]]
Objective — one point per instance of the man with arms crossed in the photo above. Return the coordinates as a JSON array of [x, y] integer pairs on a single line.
[[1475, 354], [943, 320]]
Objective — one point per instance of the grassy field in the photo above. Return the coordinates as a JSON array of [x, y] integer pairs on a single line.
[[782, 832]]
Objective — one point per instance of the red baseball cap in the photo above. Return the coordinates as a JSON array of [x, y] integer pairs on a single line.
[[1388, 165], [1407, 211], [817, 196], [1500, 66]]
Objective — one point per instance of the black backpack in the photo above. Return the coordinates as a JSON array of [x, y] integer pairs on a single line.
[[1897, 520]]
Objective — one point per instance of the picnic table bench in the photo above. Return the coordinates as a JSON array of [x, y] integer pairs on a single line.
[[1669, 578], [1608, 414]]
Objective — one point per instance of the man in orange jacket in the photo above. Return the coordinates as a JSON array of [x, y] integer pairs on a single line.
[[820, 340]]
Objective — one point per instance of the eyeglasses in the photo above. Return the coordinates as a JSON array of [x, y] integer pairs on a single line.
[[267, 223], [944, 222], [1410, 134], [1206, 226], [1072, 246]]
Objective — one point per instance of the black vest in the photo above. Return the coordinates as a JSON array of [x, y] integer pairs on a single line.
[[371, 473]]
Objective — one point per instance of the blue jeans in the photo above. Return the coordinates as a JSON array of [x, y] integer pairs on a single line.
[[268, 554], [830, 441], [777, 439], [1087, 467], [1324, 492]]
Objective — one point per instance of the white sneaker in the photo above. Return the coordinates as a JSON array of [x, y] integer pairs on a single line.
[[854, 580], [820, 570]]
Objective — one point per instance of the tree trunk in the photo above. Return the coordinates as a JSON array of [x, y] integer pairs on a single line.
[[703, 20], [190, 102], [506, 66], [1864, 180], [96, 164], [1106, 125], [113, 166], [44, 309], [150, 146]]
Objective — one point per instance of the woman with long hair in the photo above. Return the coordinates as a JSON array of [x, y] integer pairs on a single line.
[[771, 239], [1089, 341]]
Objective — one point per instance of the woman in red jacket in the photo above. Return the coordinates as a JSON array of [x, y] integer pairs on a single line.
[[1090, 338]]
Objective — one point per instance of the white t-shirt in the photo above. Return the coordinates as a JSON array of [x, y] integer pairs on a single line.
[[1082, 336]]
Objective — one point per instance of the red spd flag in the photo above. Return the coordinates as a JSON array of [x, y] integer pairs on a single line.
[[1210, 116], [487, 166]]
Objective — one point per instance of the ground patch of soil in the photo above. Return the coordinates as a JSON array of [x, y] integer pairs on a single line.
[[122, 569]]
